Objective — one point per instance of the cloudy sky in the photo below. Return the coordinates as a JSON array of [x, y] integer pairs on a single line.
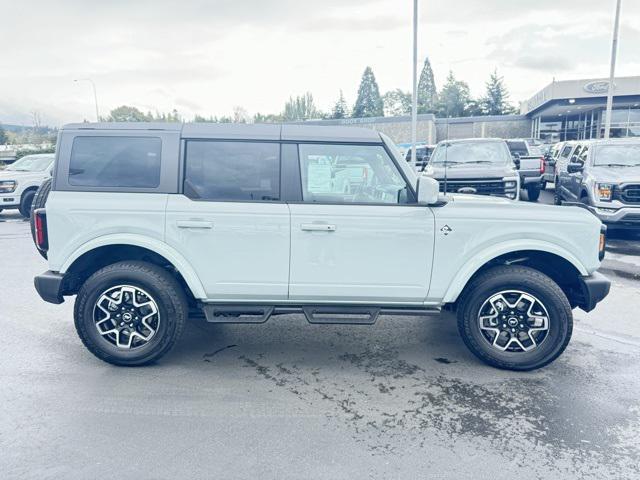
[[208, 56]]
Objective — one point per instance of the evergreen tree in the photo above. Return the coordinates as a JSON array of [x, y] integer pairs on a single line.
[[427, 92], [369, 102], [397, 103], [300, 108], [340, 109], [496, 99], [454, 99], [4, 139]]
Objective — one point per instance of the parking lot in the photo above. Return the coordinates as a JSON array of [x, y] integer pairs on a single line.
[[290, 400]]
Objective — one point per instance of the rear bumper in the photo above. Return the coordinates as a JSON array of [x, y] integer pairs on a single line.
[[594, 288], [530, 179], [49, 286]]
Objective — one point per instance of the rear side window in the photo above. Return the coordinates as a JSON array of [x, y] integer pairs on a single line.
[[130, 162], [235, 171]]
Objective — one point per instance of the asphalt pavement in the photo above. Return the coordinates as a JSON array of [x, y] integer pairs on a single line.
[[288, 400]]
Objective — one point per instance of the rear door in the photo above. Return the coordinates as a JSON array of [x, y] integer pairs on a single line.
[[357, 235], [229, 220]]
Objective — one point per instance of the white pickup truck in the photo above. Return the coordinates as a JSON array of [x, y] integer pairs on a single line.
[[148, 224], [20, 181]]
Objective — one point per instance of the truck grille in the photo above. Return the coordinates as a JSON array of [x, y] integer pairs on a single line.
[[628, 194], [482, 186]]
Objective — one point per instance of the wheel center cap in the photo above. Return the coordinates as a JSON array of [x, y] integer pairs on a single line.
[[513, 321], [127, 317]]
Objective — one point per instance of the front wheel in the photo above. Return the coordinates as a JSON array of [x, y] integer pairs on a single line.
[[25, 203], [130, 313], [557, 196], [515, 318]]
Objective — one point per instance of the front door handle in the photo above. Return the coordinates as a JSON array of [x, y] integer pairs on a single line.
[[318, 227], [196, 224]]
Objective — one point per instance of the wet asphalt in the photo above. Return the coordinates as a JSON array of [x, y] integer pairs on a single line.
[[400, 399]]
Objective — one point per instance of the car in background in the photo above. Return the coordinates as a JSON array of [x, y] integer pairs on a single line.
[[481, 166], [20, 180], [423, 154], [550, 161], [530, 162], [605, 176]]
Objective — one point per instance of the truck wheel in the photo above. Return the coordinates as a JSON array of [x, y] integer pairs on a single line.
[[533, 192], [39, 201], [515, 318], [25, 203], [557, 197], [130, 313]]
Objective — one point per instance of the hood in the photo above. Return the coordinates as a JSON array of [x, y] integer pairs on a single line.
[[474, 170], [616, 174], [13, 175]]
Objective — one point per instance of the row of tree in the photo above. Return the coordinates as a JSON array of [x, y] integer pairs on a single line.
[[453, 100]]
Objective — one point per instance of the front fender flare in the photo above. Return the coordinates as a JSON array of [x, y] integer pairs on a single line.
[[178, 261], [484, 256]]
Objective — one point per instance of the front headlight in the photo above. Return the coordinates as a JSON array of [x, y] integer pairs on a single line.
[[510, 184], [604, 192], [8, 186]]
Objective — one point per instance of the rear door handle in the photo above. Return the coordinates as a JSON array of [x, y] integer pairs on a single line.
[[318, 227], [196, 224]]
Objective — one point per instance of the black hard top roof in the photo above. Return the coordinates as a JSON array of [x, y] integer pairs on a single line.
[[240, 131]]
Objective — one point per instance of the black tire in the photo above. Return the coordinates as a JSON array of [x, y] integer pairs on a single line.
[[164, 290], [533, 193], [557, 196], [524, 279], [39, 201], [25, 203]]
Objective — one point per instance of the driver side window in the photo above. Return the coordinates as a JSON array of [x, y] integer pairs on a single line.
[[350, 174]]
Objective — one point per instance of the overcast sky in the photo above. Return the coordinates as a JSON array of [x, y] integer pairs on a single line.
[[207, 56]]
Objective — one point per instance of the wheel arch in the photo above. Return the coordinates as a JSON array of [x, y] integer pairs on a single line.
[[555, 262], [105, 250]]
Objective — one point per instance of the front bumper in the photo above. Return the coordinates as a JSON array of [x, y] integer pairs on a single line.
[[594, 288], [9, 200], [626, 217], [49, 286]]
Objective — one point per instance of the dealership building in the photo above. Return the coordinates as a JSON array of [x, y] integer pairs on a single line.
[[563, 110]]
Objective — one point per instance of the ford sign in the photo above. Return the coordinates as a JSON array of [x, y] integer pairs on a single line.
[[599, 86], [467, 190]]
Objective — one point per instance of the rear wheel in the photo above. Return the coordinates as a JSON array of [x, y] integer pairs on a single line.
[[515, 318], [533, 192], [130, 313], [25, 203]]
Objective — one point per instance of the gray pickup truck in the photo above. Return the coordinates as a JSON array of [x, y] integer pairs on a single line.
[[481, 166], [529, 159], [605, 176]]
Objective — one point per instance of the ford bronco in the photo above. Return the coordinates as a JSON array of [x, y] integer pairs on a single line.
[[148, 224]]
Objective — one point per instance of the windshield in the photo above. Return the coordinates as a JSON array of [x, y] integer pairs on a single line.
[[30, 163], [617, 155], [471, 152]]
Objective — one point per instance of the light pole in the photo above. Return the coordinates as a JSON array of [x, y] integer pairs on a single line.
[[414, 106], [612, 73], [95, 94]]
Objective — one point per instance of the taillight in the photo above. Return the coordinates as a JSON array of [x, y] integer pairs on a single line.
[[40, 227], [542, 165]]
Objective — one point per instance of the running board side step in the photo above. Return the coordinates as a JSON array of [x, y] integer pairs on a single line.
[[315, 314]]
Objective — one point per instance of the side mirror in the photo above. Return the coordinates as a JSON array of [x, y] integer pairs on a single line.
[[575, 167], [516, 159], [428, 190]]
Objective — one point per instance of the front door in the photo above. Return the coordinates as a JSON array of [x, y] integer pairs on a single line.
[[229, 222], [357, 236]]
